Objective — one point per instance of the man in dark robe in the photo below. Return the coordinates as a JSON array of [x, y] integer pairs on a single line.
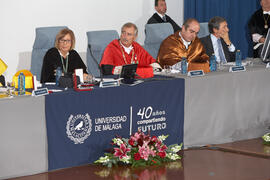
[[161, 17], [125, 51], [258, 25], [184, 43]]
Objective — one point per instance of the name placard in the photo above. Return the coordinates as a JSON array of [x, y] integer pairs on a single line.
[[196, 73], [40, 92], [113, 83], [237, 68]]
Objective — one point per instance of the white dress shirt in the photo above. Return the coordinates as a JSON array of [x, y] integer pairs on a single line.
[[266, 12], [215, 46], [127, 49], [186, 43], [160, 15]]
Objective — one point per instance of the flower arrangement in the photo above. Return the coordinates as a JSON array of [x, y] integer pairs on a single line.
[[266, 139], [140, 150]]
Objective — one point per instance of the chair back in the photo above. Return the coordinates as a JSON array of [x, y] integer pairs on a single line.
[[204, 31], [45, 38], [154, 35], [98, 40]]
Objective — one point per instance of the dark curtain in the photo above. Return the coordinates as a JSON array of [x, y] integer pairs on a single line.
[[236, 12]]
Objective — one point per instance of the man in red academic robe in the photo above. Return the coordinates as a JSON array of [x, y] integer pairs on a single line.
[[126, 51]]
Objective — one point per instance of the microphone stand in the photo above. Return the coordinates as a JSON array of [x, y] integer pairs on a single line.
[[95, 60]]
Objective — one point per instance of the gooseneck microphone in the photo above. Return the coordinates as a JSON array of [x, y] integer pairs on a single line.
[[99, 68]]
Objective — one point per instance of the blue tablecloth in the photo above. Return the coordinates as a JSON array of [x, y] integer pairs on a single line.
[[80, 125]]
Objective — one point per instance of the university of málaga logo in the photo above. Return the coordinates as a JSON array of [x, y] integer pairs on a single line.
[[79, 127]]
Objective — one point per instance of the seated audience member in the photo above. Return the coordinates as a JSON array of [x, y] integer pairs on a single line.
[[161, 17], [126, 51], [258, 25], [218, 42], [62, 55], [184, 43], [3, 68]]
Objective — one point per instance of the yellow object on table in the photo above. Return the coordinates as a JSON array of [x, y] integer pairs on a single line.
[[3, 95], [3, 67], [28, 79]]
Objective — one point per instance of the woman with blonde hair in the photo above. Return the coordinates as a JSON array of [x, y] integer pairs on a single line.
[[62, 55]]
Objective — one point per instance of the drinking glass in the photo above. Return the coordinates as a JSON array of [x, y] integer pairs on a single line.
[[10, 88], [167, 69], [220, 65], [89, 79]]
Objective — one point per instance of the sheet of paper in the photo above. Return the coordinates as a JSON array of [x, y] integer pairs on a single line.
[[79, 72]]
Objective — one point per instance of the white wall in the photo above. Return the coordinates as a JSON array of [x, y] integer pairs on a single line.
[[19, 18]]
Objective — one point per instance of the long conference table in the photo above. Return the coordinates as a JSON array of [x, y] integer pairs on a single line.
[[219, 107]]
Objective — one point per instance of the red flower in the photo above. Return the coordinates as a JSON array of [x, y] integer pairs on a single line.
[[154, 139], [137, 156], [154, 161], [122, 151], [131, 142], [162, 154], [163, 148], [140, 142]]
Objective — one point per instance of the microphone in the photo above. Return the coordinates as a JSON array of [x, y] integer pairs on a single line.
[[99, 68]]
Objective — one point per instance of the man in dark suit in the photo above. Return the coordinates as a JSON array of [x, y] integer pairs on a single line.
[[218, 42], [161, 17]]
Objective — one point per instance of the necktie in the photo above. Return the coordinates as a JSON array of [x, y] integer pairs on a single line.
[[164, 18], [220, 52]]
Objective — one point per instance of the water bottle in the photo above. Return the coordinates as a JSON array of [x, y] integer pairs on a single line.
[[58, 74], [21, 84], [238, 58], [213, 63], [184, 65]]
